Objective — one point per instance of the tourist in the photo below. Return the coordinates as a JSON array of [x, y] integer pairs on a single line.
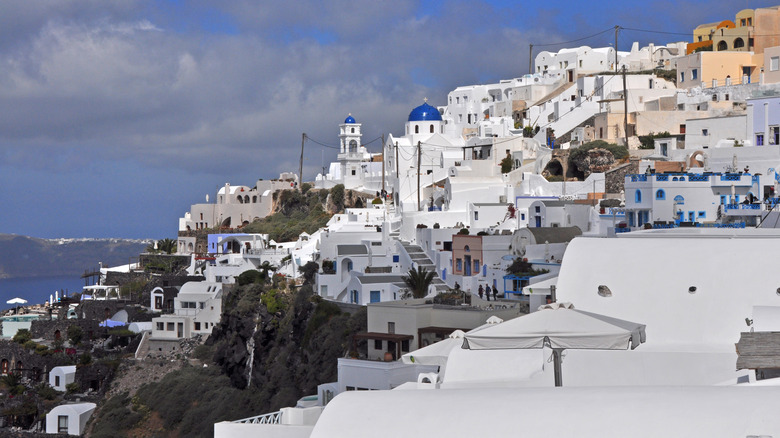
[[495, 294], [482, 292]]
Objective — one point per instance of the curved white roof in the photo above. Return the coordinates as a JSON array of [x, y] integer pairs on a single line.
[[581, 412], [73, 409]]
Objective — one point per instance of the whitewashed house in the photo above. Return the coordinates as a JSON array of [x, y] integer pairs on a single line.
[[60, 377], [70, 419], [355, 168], [197, 309]]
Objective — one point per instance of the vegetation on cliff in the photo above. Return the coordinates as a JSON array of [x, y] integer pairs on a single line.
[[275, 343]]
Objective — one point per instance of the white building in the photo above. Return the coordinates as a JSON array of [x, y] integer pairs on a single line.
[[60, 377], [355, 167], [235, 205], [197, 309], [69, 418]]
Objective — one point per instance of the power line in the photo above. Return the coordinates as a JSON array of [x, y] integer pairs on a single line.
[[656, 31], [577, 40]]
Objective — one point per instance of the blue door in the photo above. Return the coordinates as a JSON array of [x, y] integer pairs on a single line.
[[467, 266], [538, 221], [375, 296]]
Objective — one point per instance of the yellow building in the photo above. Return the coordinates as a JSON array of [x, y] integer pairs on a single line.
[[707, 69], [752, 30]]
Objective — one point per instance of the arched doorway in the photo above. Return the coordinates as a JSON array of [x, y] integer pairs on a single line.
[[722, 45]]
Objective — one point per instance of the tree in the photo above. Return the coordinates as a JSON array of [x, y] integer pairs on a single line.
[[506, 164], [75, 334], [418, 281], [167, 246], [266, 268], [22, 336]]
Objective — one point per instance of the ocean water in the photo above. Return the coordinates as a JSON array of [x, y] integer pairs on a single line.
[[36, 290]]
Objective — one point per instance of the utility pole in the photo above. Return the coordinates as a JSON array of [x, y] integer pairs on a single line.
[[625, 107], [396, 162], [530, 59], [300, 167], [383, 164], [419, 158], [616, 51]]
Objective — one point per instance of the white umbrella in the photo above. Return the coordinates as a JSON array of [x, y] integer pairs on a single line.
[[559, 327], [16, 301]]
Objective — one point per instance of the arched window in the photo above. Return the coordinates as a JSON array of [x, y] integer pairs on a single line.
[[240, 199], [660, 195], [739, 43], [416, 129], [353, 146], [431, 128], [466, 248], [638, 196], [4, 366], [246, 199], [353, 130], [254, 199], [722, 46]]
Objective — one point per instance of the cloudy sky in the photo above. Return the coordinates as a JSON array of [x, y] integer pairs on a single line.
[[115, 116]]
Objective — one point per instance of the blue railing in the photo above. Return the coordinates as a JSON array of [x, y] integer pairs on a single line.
[[742, 206], [622, 230], [635, 178], [731, 177], [663, 226], [699, 178], [732, 225], [662, 177]]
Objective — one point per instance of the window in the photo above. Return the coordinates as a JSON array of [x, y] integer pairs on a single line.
[[353, 172], [522, 216], [538, 209], [705, 132], [56, 380], [377, 344], [431, 128], [391, 327], [682, 129], [396, 259], [476, 215], [739, 43], [476, 266], [774, 63], [405, 345], [416, 129], [694, 74], [197, 325], [743, 22], [170, 327], [660, 195], [458, 264], [759, 139], [160, 326], [638, 196], [701, 214], [62, 424], [202, 304], [774, 135], [682, 76]]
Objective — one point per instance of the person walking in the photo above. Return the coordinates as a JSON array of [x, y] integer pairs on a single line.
[[487, 290], [481, 291], [495, 294]]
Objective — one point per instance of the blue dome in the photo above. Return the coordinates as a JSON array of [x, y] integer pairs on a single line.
[[424, 112], [350, 119]]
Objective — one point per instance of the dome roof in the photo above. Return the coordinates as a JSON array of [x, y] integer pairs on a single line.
[[424, 112], [350, 119]]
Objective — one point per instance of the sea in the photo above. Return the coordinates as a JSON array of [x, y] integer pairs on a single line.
[[36, 290]]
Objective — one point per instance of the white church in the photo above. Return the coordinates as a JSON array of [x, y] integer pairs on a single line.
[[354, 167]]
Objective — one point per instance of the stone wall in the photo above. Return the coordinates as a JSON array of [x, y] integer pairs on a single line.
[[47, 330], [33, 366], [122, 278], [615, 178], [95, 376]]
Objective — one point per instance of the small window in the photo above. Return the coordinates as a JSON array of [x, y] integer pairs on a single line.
[[62, 424], [638, 196], [682, 129], [160, 326], [774, 63], [170, 327], [476, 215], [197, 325], [56, 380], [416, 129], [701, 215], [431, 128], [391, 327], [405, 345], [759, 139], [694, 74], [705, 132], [682, 76], [396, 259], [377, 344], [660, 195], [458, 264]]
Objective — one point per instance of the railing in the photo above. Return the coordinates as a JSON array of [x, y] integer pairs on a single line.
[[272, 418], [694, 178], [662, 177], [622, 230], [732, 225], [636, 178], [731, 177], [742, 207]]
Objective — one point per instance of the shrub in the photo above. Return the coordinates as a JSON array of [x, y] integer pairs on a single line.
[[377, 201], [506, 164], [337, 196], [22, 336], [436, 226], [46, 392], [249, 277], [305, 187], [272, 300], [72, 387], [30, 345], [464, 232], [75, 334]]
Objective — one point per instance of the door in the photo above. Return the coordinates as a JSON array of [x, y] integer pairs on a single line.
[[375, 296], [467, 265], [538, 221], [180, 329]]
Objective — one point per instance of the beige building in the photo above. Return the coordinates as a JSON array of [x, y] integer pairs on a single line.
[[609, 126], [708, 69]]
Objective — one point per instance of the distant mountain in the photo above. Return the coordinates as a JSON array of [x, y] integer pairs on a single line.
[[22, 256]]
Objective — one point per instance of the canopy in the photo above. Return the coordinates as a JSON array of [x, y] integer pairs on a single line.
[[559, 328], [437, 353], [16, 301]]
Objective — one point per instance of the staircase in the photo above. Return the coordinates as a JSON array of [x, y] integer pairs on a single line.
[[143, 347], [419, 257]]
